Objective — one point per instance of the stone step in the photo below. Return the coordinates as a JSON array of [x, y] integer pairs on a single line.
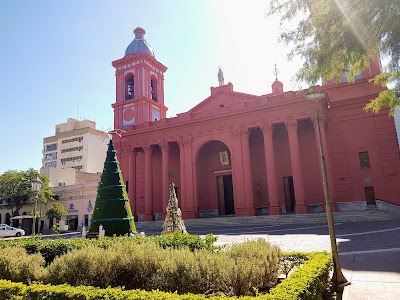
[[347, 216]]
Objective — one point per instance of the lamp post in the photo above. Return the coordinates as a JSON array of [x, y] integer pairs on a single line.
[[36, 186], [338, 279]]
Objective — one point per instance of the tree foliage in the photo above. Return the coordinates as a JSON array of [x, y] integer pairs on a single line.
[[339, 36], [16, 190], [56, 211]]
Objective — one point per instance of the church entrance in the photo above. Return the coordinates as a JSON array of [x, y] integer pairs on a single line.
[[226, 205], [214, 180], [288, 188]]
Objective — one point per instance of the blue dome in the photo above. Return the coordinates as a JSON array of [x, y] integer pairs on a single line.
[[139, 44]]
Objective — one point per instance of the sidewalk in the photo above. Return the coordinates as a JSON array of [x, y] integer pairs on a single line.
[[374, 275]]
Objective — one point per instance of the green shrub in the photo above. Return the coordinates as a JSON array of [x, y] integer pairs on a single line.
[[79, 267], [256, 265], [11, 290], [178, 240], [51, 249], [18, 266], [291, 260], [14, 291], [148, 266], [200, 272], [138, 263], [308, 282]]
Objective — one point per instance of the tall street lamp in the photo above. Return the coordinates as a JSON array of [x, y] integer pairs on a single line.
[[338, 279], [36, 186]]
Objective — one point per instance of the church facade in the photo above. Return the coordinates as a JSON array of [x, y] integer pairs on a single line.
[[243, 155]]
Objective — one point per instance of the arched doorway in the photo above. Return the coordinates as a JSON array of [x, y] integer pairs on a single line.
[[8, 217], [214, 180], [15, 222]]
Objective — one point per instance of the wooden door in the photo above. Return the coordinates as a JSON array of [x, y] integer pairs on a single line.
[[370, 195]]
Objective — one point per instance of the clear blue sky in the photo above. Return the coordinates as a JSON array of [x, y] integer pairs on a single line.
[[56, 60]]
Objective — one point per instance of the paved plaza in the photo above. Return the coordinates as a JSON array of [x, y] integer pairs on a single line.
[[373, 275]]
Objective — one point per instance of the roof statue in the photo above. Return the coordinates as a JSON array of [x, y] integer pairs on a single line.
[[220, 76], [276, 72]]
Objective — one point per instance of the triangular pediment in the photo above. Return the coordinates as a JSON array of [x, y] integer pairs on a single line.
[[221, 97]]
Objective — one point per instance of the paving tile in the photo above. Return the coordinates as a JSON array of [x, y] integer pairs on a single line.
[[359, 276], [392, 296], [346, 292], [358, 297], [391, 286], [376, 296], [390, 277], [356, 291]]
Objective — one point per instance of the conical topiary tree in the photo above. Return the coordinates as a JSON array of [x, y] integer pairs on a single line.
[[112, 208], [173, 221]]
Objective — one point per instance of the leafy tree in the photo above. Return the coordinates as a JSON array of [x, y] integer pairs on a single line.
[[56, 211], [339, 36], [16, 191]]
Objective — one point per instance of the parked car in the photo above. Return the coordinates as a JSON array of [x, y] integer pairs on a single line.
[[7, 231]]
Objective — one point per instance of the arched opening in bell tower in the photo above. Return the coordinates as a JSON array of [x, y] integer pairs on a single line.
[[153, 88], [130, 87]]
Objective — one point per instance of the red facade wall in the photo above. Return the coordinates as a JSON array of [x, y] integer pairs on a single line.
[[311, 164], [267, 137], [259, 174], [282, 158]]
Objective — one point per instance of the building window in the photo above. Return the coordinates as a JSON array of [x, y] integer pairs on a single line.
[[51, 164], [77, 139], [51, 156], [72, 149], [78, 158], [51, 147], [364, 160], [155, 114]]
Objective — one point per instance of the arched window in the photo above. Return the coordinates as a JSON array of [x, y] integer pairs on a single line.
[[153, 88], [130, 87]]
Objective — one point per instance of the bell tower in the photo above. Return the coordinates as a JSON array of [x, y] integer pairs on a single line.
[[139, 85]]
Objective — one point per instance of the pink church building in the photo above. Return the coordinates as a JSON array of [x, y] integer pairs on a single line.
[[244, 155]]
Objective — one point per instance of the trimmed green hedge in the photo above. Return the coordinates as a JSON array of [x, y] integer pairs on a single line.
[[308, 282]]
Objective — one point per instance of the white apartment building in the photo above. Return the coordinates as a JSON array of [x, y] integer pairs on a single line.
[[76, 144]]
